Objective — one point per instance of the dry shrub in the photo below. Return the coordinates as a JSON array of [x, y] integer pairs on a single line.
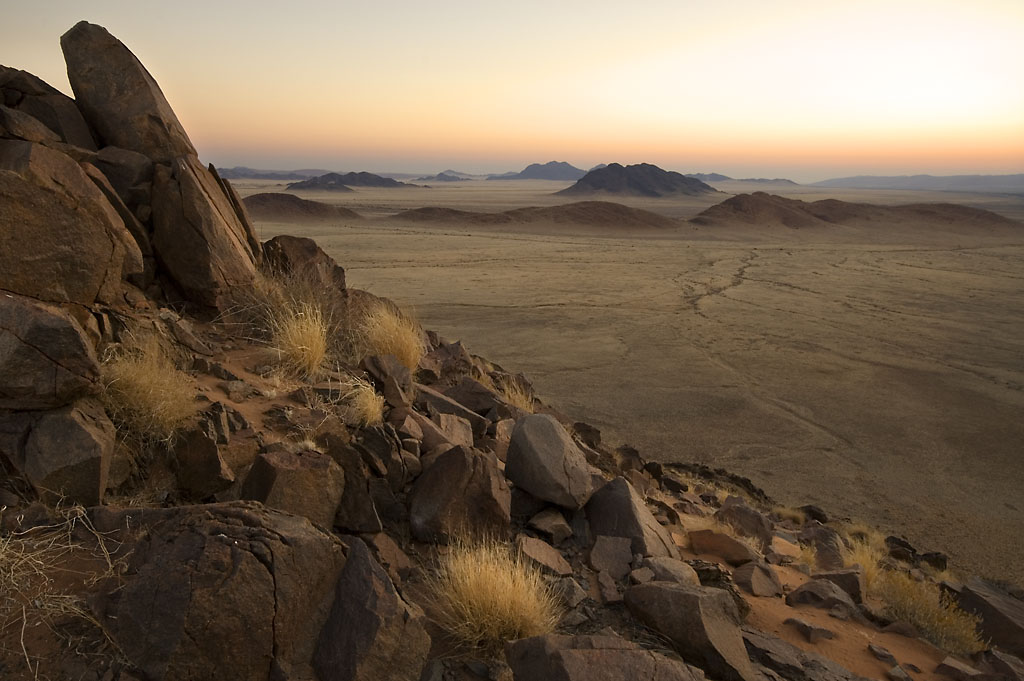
[[793, 515], [808, 556], [382, 329], [485, 594], [923, 605], [365, 405], [517, 394], [299, 338], [144, 393], [868, 555]]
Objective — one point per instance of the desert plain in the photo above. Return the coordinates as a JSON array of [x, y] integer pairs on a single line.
[[876, 372]]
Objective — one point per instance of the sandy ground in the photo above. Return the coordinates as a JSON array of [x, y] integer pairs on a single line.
[[882, 381]]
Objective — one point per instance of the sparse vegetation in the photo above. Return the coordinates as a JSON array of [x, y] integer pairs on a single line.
[[922, 604], [145, 394], [517, 394], [868, 556], [299, 337], [365, 404], [808, 556], [793, 515], [382, 329], [485, 594]]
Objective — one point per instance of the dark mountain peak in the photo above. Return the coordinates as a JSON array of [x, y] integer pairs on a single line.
[[641, 179]]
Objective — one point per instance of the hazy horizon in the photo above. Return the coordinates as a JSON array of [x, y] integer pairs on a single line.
[[742, 88]]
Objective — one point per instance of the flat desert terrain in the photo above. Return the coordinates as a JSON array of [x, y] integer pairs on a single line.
[[877, 373]]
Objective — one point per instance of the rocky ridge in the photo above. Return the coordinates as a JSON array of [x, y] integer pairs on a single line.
[[277, 537]]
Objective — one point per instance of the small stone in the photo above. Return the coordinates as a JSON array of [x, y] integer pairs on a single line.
[[810, 632], [882, 654], [758, 580], [609, 589], [897, 674], [641, 575], [543, 555], [552, 523]]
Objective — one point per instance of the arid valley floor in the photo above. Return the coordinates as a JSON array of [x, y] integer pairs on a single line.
[[877, 373]]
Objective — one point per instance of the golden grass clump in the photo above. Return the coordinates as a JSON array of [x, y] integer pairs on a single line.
[[144, 393], [808, 556], [923, 605], [484, 594], [383, 329], [793, 515], [365, 404], [868, 555], [517, 394], [300, 338]]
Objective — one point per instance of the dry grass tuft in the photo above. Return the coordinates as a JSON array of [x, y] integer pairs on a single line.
[[383, 329], [365, 404], [517, 394], [923, 605], [868, 556], [808, 557], [146, 396], [793, 515], [485, 594], [299, 338]]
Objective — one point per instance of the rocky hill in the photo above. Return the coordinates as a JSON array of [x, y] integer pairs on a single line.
[[552, 170], [642, 179], [345, 182], [220, 462], [279, 207], [585, 213]]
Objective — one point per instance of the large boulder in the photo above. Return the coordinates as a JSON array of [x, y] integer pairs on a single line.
[[543, 460], [462, 492], [119, 97], [30, 95], [294, 255], [65, 453], [79, 247], [371, 634], [702, 623], [1002, 615], [555, 657], [827, 544], [305, 483], [746, 521], [230, 591], [731, 550], [197, 236], [824, 594], [46, 360], [617, 510]]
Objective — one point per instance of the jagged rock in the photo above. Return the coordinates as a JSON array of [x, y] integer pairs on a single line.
[[197, 237], [477, 397], [551, 522], [356, 512], [901, 549], [129, 173], [306, 483], [393, 379], [298, 255], [897, 673], [434, 402], [456, 429], [31, 96], [461, 492], [1002, 616], [591, 658], [390, 556], [609, 589], [746, 521], [810, 632], [612, 555], [882, 654], [758, 579], [618, 511], [81, 250], [237, 588], [64, 453], [46, 360], [791, 663], [131, 223], [850, 580], [641, 575], [821, 593], [543, 460], [702, 624], [1004, 664], [672, 570], [543, 555], [17, 125], [371, 634], [827, 543], [118, 96], [202, 471], [729, 549]]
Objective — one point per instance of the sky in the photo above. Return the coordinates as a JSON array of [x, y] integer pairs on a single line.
[[788, 88]]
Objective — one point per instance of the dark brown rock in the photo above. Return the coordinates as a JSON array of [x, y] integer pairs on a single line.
[[554, 657], [791, 663], [747, 521], [618, 511], [702, 624], [612, 555], [236, 588], [729, 549], [1002, 616], [672, 570], [551, 522], [821, 593], [828, 545], [957, 670], [293, 255], [202, 471], [543, 555], [477, 397], [33, 97], [390, 556], [543, 460], [461, 493], [356, 512], [850, 580], [371, 634], [307, 483], [433, 402], [810, 632], [758, 579], [17, 125]]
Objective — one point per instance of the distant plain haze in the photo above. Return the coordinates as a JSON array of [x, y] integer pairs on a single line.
[[801, 89]]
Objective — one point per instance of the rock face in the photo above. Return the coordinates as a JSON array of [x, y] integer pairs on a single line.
[[116, 94], [462, 492], [371, 634], [292, 254], [702, 623], [80, 248], [31, 96], [239, 589], [544, 461], [618, 511], [46, 361], [591, 658], [1002, 616]]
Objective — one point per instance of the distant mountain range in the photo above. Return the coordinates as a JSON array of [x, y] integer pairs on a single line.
[[1002, 184], [243, 173], [718, 177], [552, 170], [444, 176], [344, 182], [642, 179], [709, 177]]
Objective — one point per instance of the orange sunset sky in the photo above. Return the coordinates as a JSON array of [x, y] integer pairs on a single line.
[[788, 88]]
